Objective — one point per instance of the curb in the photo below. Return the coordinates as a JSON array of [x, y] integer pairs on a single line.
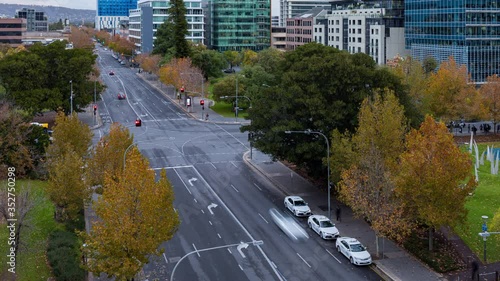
[[383, 272], [256, 168]]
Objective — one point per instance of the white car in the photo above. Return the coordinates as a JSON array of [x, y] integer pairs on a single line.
[[297, 206], [288, 225], [323, 226], [353, 250]]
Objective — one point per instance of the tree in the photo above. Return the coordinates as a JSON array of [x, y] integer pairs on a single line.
[[150, 63], [14, 132], [449, 95], [136, 216], [65, 186], [171, 36], [435, 177], [70, 134], [179, 73], [307, 96], [429, 64], [490, 99], [227, 87], [232, 57], [250, 58], [107, 156], [369, 182], [56, 26], [80, 39], [210, 62]]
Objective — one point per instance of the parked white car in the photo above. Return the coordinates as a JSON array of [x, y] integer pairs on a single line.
[[353, 250], [323, 227], [297, 206]]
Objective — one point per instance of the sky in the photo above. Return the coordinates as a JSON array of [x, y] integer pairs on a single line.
[[91, 4]]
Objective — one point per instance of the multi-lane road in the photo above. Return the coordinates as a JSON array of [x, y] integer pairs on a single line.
[[220, 200]]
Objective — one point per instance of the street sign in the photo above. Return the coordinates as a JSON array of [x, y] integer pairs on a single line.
[[485, 227]]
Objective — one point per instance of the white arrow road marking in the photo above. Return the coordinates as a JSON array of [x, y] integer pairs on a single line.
[[191, 180], [242, 245], [198, 253], [213, 205]]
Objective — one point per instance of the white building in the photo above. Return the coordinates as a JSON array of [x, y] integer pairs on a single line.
[[292, 8], [150, 14]]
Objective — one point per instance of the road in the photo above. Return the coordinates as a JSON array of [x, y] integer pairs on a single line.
[[204, 164]]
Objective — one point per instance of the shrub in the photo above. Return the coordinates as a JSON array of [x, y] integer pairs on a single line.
[[64, 256]]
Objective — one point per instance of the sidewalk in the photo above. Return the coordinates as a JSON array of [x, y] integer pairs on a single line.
[[393, 264]]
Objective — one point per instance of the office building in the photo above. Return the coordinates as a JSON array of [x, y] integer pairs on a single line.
[[275, 21], [299, 29], [239, 25], [35, 20], [468, 30], [278, 37], [111, 15], [292, 8], [12, 31], [145, 19]]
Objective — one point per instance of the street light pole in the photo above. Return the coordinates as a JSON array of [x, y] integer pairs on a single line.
[[308, 132], [236, 107], [71, 97]]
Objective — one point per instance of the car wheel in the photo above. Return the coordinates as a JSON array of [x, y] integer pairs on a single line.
[[352, 261], [338, 249], [310, 226], [321, 234]]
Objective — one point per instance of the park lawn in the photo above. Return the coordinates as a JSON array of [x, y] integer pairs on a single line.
[[31, 258], [485, 201], [226, 109]]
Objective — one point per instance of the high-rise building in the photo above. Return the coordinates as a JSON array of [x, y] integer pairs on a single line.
[[238, 25], [12, 31], [468, 30], [35, 20], [292, 8], [150, 14], [300, 29], [111, 14]]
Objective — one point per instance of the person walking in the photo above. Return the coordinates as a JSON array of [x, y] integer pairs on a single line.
[[475, 268], [338, 213]]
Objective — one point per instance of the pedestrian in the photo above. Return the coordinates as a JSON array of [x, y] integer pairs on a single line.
[[481, 127], [475, 268], [474, 130], [206, 117], [338, 213]]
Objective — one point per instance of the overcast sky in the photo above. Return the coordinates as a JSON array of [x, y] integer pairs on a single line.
[[90, 4]]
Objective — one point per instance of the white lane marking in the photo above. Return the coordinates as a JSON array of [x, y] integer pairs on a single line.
[[175, 210], [229, 250], [174, 167], [240, 267], [240, 143], [333, 256], [213, 166], [210, 222], [198, 253], [183, 182], [234, 188], [263, 218], [273, 264], [257, 186], [219, 235], [195, 200], [234, 164], [277, 273], [303, 260], [165, 258], [202, 211]]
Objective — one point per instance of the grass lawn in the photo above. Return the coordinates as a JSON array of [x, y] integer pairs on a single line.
[[226, 109], [485, 201], [31, 260]]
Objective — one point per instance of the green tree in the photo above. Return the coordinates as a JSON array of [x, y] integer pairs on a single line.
[[70, 134], [429, 64], [270, 59], [490, 100], [136, 216], [308, 96], [435, 177], [171, 36], [227, 87], [232, 57], [250, 58], [210, 62]]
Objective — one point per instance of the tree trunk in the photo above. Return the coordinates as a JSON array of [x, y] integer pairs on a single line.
[[377, 246], [431, 232]]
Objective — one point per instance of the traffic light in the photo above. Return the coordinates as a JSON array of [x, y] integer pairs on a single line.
[[95, 109], [182, 89], [202, 102]]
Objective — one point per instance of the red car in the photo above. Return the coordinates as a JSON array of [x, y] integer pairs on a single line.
[[121, 96], [138, 122], [111, 73]]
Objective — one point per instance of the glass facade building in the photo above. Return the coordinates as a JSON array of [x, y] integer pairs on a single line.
[[468, 30], [240, 24], [115, 7]]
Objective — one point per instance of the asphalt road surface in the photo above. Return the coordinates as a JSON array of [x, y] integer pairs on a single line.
[[220, 200]]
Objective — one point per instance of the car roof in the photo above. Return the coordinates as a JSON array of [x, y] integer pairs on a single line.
[[320, 217], [350, 240], [295, 198]]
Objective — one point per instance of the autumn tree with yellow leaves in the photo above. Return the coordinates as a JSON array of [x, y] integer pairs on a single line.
[[490, 100], [368, 185], [181, 73], [435, 177], [136, 215]]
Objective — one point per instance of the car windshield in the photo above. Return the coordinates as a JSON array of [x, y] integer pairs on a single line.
[[326, 224], [300, 203], [357, 248]]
